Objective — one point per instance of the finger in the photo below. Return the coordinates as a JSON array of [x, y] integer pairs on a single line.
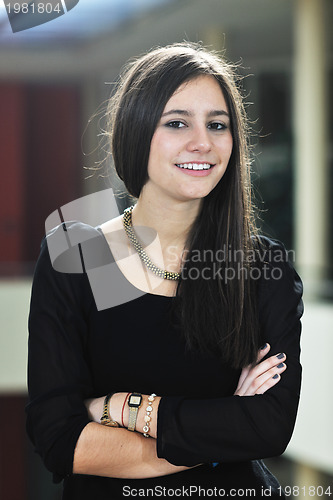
[[263, 351], [243, 375], [269, 384], [265, 381], [269, 363], [246, 370], [260, 369]]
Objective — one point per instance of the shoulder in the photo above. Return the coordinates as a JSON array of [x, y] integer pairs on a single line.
[[264, 244], [111, 225], [277, 277], [60, 281], [269, 253], [73, 247]]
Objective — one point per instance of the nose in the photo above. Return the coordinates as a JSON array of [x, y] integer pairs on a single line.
[[199, 140]]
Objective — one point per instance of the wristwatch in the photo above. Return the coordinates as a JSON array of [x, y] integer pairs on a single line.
[[106, 418], [134, 403]]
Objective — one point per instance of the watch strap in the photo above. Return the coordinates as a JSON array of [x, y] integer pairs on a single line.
[[133, 415], [133, 411]]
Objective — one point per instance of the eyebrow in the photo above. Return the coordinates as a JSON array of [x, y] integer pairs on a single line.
[[184, 112]]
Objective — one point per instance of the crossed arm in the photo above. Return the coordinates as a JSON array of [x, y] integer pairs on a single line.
[[134, 456]]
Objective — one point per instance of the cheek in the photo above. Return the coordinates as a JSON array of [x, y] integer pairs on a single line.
[[164, 146], [227, 147]]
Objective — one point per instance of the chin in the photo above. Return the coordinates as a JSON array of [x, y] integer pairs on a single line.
[[196, 196]]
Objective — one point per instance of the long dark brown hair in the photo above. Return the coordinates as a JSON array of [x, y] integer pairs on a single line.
[[217, 314]]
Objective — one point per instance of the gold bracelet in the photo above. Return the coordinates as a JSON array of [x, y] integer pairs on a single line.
[[106, 418], [147, 417]]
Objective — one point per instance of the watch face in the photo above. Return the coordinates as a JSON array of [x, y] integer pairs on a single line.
[[135, 400]]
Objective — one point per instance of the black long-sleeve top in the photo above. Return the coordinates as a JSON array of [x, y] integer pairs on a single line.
[[78, 351]]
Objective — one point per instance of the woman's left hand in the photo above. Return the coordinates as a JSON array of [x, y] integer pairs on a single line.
[[261, 377]]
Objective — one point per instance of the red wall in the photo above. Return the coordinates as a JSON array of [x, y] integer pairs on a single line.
[[12, 166], [41, 169], [40, 164], [13, 448]]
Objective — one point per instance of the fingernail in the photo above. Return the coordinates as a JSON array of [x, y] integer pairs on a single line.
[[263, 347], [276, 376], [281, 365], [280, 356]]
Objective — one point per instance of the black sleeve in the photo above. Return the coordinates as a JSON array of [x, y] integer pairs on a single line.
[[236, 428], [58, 376]]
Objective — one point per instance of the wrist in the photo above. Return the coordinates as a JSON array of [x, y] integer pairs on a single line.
[[141, 422], [119, 410], [94, 408], [116, 405]]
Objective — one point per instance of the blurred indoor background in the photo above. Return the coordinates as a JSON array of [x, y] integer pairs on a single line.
[[56, 77]]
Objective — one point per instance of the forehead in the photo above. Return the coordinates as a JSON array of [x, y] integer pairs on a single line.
[[201, 90]]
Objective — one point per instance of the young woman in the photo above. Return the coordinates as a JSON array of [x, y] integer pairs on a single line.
[[184, 387]]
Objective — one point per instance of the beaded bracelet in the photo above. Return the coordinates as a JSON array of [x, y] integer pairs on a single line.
[[147, 417]]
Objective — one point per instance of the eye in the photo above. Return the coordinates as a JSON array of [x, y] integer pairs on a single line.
[[175, 124], [217, 126]]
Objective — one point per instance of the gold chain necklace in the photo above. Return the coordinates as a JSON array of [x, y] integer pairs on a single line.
[[127, 220]]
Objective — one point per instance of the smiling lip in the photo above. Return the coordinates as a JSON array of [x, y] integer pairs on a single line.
[[196, 169]]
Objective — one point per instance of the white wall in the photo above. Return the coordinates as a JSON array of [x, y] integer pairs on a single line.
[[14, 308], [312, 442]]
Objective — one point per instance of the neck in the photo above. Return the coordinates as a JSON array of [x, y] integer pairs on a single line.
[[171, 220]]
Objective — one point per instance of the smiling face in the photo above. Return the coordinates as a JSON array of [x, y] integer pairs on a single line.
[[192, 143]]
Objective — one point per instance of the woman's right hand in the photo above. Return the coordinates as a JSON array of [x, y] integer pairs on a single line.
[[261, 377]]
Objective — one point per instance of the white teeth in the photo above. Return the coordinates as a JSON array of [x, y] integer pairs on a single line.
[[195, 166]]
